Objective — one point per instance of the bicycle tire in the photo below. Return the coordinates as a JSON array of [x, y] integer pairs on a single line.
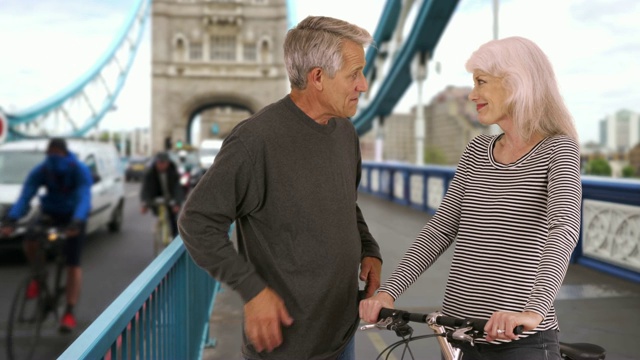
[[25, 322]]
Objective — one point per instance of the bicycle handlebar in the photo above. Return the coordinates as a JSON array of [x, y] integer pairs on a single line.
[[476, 324], [49, 233]]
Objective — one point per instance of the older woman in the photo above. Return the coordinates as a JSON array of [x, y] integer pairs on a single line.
[[513, 209]]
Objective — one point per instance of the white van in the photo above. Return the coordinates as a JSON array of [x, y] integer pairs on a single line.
[[208, 150], [18, 158]]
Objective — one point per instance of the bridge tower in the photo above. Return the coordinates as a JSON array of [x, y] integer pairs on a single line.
[[213, 53]]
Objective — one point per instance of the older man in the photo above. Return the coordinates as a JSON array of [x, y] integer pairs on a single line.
[[288, 176]]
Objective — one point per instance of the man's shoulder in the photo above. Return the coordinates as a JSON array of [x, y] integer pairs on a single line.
[[265, 116], [260, 125]]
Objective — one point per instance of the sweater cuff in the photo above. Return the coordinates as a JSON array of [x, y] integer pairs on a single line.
[[250, 287], [371, 253]]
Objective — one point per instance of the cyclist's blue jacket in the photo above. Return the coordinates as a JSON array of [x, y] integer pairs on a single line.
[[68, 182]]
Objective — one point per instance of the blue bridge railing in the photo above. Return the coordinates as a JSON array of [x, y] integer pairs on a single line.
[[610, 233], [163, 314]]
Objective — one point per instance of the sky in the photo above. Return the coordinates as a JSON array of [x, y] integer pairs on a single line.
[[594, 46]]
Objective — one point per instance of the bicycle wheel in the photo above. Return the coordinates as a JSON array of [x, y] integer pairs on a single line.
[[25, 322]]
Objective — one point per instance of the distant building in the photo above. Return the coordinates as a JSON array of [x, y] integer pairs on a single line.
[[451, 123], [140, 141], [620, 132]]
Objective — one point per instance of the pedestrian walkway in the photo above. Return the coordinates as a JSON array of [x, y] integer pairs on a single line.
[[592, 307]]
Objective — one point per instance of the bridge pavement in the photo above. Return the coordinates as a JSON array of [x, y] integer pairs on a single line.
[[592, 306]]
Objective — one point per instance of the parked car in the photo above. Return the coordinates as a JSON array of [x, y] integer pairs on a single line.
[[18, 158], [136, 166]]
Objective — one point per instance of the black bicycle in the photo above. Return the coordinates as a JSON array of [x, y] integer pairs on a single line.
[[451, 332], [31, 311]]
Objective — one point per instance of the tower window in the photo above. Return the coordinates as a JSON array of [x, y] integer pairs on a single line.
[[223, 47]]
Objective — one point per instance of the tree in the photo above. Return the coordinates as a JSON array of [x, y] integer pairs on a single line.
[[433, 155], [599, 166], [628, 171]]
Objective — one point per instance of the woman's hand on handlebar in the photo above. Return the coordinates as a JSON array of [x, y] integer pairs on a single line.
[[501, 324], [370, 308]]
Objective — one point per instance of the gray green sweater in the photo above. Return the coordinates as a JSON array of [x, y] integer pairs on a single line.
[[291, 186]]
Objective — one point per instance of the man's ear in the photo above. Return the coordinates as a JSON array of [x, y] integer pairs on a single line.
[[314, 78]]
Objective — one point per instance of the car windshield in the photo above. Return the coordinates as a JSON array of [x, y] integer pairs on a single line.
[[16, 165]]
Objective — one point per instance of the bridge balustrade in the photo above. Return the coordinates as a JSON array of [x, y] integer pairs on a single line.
[[163, 314], [610, 232]]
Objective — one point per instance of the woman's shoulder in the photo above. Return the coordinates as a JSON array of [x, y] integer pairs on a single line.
[[562, 141]]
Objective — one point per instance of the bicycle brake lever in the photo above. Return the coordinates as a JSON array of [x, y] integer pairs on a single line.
[[461, 335], [382, 324]]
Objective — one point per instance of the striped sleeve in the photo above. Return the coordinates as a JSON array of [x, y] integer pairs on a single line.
[[563, 221]]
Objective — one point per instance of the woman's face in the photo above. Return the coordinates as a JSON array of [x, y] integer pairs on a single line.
[[490, 97]]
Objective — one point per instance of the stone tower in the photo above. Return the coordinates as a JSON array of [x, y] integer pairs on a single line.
[[213, 53]]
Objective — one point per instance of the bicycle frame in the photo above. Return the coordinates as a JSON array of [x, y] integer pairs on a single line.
[[162, 228]]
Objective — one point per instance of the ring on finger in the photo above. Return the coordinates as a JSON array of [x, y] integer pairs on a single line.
[[500, 331]]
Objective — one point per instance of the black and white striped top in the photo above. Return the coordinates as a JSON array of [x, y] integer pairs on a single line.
[[515, 227]]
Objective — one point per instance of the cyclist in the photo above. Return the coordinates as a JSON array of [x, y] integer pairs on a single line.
[[67, 202], [162, 179]]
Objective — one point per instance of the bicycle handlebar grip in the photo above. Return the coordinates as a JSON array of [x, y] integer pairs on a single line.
[[401, 314], [385, 313], [454, 322]]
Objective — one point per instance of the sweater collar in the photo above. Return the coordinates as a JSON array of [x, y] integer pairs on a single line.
[[305, 119]]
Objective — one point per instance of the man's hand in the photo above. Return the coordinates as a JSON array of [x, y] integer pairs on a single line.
[[143, 209], [370, 308], [263, 317], [370, 270], [176, 209]]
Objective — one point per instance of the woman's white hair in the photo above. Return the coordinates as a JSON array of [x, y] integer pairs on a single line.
[[317, 42], [535, 103]]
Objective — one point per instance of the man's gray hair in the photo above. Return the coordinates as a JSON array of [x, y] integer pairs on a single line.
[[317, 42]]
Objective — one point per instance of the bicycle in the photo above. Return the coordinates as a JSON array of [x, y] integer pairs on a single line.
[[163, 234], [450, 332], [28, 316]]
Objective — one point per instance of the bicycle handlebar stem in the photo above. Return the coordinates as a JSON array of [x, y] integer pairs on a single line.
[[451, 353]]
